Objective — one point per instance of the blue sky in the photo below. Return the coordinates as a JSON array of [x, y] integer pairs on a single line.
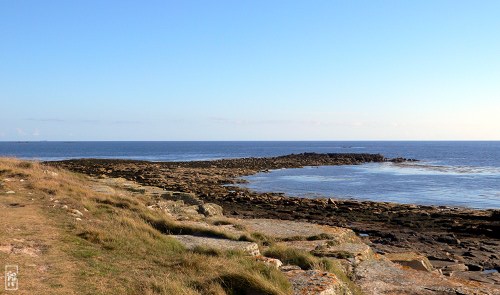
[[249, 70]]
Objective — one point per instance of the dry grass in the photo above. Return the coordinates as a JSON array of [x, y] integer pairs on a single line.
[[118, 246]]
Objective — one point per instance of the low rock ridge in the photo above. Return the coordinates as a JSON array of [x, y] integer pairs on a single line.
[[287, 161]]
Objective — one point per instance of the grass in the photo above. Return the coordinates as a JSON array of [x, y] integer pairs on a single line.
[[118, 246]]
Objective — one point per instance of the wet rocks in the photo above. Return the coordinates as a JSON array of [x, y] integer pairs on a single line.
[[449, 239], [401, 160]]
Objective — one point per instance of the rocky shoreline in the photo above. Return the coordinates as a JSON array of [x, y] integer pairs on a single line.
[[448, 236]]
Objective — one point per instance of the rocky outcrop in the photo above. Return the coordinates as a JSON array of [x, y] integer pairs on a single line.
[[194, 242], [355, 252], [384, 277], [309, 282], [285, 230]]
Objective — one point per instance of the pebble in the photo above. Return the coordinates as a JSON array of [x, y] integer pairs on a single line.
[[76, 212]]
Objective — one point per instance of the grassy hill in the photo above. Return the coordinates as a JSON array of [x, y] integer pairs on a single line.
[[68, 238]]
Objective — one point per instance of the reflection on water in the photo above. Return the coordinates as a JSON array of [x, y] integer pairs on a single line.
[[425, 168], [420, 183]]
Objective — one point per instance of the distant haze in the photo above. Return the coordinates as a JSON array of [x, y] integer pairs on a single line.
[[249, 70]]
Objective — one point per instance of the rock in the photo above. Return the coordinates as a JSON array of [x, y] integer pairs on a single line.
[[187, 198], [210, 209], [385, 277], [474, 267], [456, 267], [51, 173], [357, 251], [75, 212], [451, 239], [315, 282], [284, 268], [479, 277], [10, 192], [273, 262], [293, 230], [411, 259], [192, 242]]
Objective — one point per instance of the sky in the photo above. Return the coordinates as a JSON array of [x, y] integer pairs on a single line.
[[249, 70]]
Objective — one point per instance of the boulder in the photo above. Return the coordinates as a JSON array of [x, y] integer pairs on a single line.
[[273, 262], [210, 210], [411, 259], [356, 251]]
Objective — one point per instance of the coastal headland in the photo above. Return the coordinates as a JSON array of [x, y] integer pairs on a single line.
[[447, 236], [134, 227]]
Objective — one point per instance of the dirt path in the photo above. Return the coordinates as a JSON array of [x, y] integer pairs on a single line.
[[32, 239]]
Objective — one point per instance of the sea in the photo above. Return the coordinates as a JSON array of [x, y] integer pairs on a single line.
[[448, 173]]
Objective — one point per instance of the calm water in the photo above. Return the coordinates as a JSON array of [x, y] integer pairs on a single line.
[[450, 173]]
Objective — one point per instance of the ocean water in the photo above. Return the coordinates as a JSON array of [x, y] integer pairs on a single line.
[[448, 173]]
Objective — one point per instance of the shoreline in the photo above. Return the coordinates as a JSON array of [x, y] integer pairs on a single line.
[[443, 234]]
